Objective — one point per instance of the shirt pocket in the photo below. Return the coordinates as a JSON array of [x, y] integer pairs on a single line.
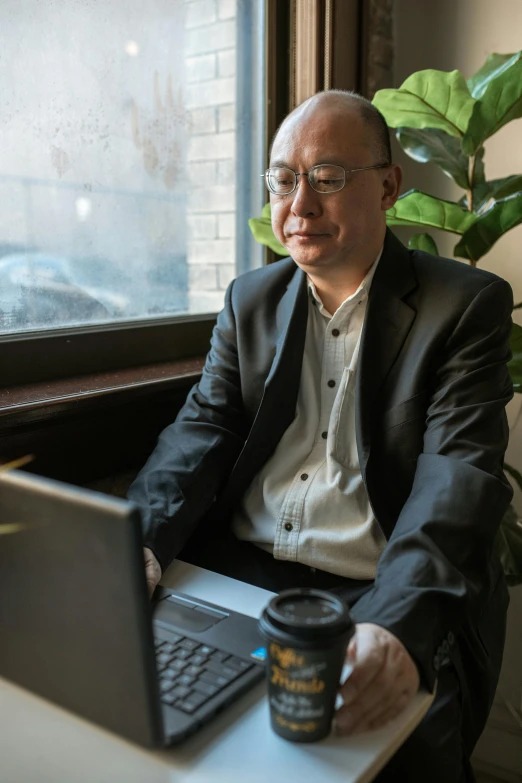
[[341, 443]]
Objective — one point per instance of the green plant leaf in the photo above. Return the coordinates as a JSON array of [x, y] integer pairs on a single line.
[[514, 473], [508, 544], [428, 99], [494, 189], [515, 364], [500, 103], [262, 231], [489, 226], [430, 145], [423, 242], [494, 66], [416, 208]]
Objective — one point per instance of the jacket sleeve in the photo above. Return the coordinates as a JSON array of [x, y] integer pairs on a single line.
[[195, 454], [435, 571]]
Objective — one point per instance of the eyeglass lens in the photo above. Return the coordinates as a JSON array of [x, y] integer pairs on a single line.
[[323, 179]]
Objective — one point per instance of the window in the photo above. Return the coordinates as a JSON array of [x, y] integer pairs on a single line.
[[132, 138]]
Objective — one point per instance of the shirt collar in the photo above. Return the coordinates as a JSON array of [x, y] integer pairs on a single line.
[[361, 292]]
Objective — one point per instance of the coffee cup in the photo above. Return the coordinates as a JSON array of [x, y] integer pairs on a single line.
[[306, 632]]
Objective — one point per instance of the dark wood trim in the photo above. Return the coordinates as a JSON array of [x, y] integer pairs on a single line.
[[346, 45], [48, 356], [18, 404], [278, 53], [94, 427]]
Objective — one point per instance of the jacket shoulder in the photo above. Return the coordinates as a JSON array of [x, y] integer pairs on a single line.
[[266, 284], [448, 271]]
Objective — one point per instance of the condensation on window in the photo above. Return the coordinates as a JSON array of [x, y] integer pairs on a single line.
[[123, 127]]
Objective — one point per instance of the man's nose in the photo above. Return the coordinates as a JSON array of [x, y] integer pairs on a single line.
[[306, 201]]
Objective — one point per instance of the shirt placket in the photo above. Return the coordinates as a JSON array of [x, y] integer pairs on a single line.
[[289, 523]]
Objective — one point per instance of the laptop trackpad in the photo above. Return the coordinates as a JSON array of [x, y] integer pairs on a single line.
[[171, 612]]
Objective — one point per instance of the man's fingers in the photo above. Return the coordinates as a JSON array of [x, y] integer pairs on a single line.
[[368, 664], [152, 570], [351, 720], [396, 701], [383, 680], [385, 717], [379, 691]]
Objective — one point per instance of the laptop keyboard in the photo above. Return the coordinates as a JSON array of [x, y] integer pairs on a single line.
[[191, 673]]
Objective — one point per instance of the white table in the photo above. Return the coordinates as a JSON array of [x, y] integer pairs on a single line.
[[41, 743]]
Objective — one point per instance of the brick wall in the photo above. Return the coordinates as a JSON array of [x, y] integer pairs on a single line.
[[210, 60]]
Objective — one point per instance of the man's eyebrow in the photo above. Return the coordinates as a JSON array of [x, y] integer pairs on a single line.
[[328, 162]]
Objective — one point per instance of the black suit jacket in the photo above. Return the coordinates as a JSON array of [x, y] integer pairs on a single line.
[[431, 391]]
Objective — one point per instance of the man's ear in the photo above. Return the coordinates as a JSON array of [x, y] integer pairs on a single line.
[[391, 186]]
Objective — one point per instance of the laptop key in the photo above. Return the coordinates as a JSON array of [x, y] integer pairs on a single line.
[[206, 650], [214, 679], [181, 691], [169, 674], [185, 679], [177, 666], [197, 659], [193, 670], [220, 656], [204, 687], [163, 658], [168, 647], [168, 698], [189, 644], [239, 664], [181, 653], [165, 685], [222, 670], [191, 703]]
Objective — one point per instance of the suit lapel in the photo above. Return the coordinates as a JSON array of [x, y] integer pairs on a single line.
[[278, 404], [387, 324]]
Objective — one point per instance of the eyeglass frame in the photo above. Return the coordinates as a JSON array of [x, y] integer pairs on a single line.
[[317, 166]]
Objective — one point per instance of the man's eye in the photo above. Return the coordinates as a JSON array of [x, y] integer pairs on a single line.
[[324, 181]]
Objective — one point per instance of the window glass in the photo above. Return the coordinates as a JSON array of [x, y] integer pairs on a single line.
[[131, 145]]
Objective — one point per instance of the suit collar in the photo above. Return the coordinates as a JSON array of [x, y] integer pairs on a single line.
[[388, 321]]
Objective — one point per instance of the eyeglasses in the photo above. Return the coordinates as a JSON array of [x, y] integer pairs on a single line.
[[323, 178]]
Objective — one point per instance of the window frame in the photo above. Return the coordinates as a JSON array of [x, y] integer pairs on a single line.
[[300, 59]]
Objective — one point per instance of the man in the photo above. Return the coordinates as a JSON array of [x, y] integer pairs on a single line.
[[348, 433]]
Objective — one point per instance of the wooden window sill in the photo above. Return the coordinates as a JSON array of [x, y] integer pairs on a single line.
[[48, 397]]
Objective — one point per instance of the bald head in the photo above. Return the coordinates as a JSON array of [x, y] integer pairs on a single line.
[[348, 104]]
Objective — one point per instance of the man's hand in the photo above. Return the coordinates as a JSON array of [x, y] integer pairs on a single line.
[[383, 681], [152, 569]]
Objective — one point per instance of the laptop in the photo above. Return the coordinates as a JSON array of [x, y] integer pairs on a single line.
[[77, 626]]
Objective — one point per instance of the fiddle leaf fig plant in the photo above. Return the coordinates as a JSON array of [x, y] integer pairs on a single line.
[[455, 143], [441, 118]]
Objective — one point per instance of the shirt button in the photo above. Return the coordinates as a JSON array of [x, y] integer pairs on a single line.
[[336, 332], [289, 527], [331, 384], [304, 476], [324, 435]]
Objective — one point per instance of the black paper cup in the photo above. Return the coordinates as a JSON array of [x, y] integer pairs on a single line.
[[307, 632]]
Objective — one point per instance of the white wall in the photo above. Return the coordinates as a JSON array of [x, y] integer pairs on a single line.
[[460, 34]]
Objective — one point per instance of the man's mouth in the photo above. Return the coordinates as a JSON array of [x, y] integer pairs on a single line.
[[307, 235]]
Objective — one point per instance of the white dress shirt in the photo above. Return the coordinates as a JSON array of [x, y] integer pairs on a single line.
[[308, 503]]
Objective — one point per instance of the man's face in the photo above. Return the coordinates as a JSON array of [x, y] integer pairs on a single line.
[[328, 229]]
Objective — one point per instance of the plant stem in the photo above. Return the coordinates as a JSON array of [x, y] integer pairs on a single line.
[[469, 192], [471, 179]]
